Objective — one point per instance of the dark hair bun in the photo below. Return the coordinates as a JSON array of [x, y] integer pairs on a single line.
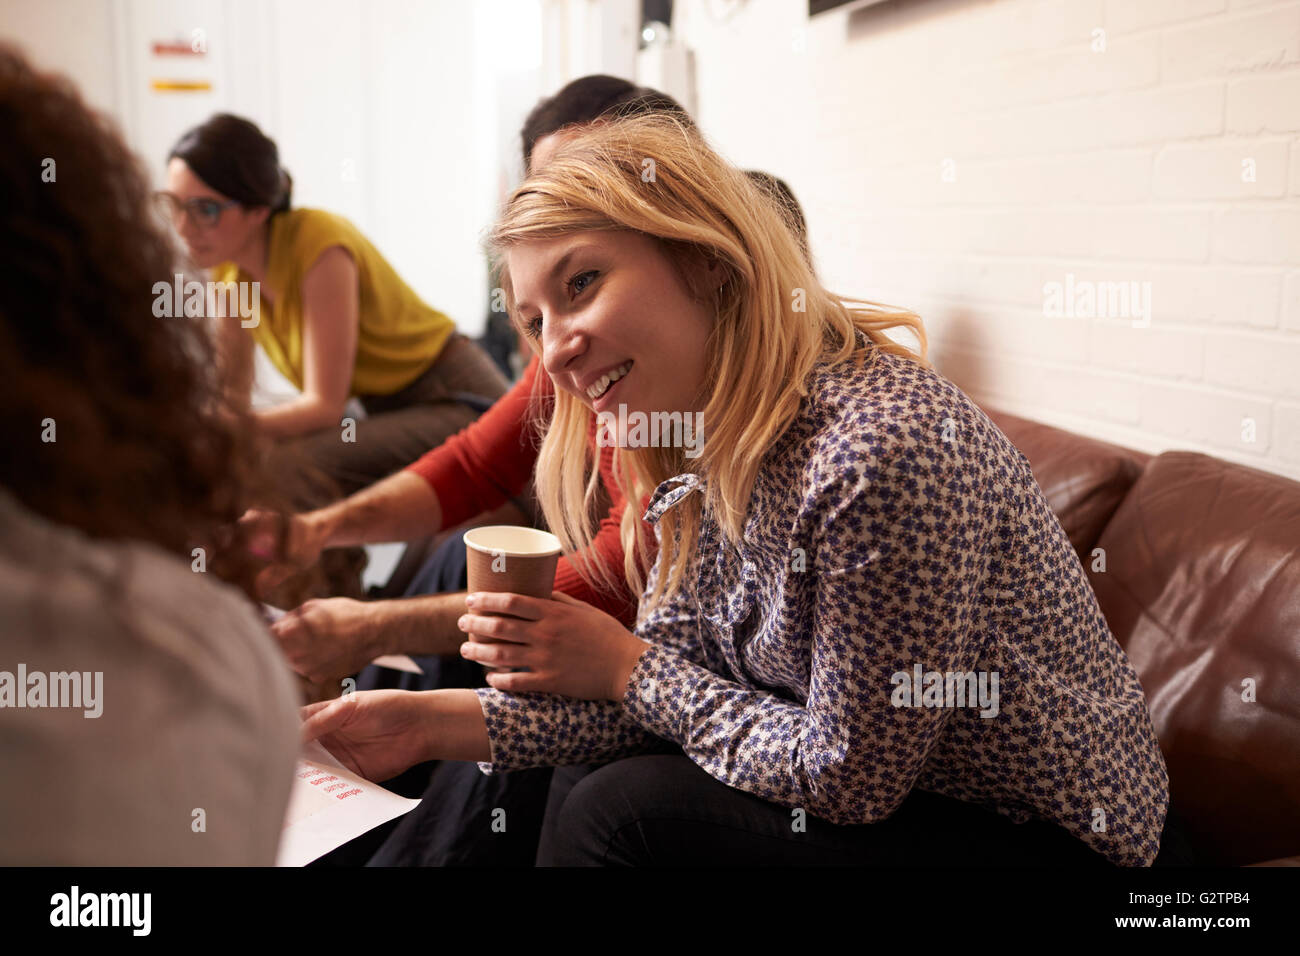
[[238, 160]]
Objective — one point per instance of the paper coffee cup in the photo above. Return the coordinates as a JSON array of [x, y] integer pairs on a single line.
[[510, 558]]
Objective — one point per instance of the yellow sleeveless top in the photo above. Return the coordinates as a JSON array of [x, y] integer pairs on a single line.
[[399, 335]]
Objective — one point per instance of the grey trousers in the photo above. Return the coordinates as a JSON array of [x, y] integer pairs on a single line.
[[316, 469], [398, 428]]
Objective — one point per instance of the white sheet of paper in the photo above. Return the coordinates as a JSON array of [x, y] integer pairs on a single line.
[[398, 662], [330, 805]]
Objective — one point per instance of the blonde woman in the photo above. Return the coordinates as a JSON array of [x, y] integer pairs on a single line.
[[853, 527]]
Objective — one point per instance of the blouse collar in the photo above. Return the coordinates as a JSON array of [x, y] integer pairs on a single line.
[[669, 492]]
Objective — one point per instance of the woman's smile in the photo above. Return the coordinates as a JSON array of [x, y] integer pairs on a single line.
[[609, 384]]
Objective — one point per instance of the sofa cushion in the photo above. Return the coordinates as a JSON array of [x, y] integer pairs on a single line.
[[1202, 589], [1083, 479]]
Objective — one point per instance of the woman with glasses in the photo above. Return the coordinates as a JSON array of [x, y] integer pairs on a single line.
[[331, 313]]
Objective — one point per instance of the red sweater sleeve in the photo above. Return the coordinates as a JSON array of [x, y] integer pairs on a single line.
[[491, 460]]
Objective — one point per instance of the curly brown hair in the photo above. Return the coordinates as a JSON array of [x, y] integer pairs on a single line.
[[146, 446]]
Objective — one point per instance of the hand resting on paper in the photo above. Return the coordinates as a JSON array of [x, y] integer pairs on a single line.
[[376, 734], [379, 733]]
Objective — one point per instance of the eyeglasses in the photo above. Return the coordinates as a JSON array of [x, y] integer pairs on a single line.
[[205, 213]]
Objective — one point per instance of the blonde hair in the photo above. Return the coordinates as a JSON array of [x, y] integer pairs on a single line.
[[654, 175]]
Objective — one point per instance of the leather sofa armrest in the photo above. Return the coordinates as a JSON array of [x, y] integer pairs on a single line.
[[1281, 861]]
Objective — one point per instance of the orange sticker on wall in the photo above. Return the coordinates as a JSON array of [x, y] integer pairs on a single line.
[[180, 86]]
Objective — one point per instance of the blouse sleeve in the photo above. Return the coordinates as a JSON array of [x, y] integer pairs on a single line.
[[899, 556]]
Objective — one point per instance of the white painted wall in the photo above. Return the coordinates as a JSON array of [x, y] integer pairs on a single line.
[[385, 111], [75, 37], [588, 36], [1122, 165], [1111, 166]]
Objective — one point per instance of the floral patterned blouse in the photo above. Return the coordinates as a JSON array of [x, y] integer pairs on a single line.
[[895, 538]]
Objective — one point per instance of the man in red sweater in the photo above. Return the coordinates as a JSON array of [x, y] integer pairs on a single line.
[[476, 470], [473, 472]]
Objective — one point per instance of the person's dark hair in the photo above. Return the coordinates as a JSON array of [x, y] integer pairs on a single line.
[[783, 196], [238, 160], [145, 446], [590, 98]]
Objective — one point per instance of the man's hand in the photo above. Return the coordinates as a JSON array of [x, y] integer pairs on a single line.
[[304, 540], [374, 733], [331, 638]]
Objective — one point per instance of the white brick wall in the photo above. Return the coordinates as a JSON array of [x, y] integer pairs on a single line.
[[1170, 157]]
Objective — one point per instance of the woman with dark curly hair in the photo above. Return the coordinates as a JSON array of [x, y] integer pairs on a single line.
[[146, 716]]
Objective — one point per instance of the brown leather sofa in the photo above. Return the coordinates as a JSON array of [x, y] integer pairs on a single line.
[[1195, 562]]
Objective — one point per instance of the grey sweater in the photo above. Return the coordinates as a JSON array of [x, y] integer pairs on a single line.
[[191, 754]]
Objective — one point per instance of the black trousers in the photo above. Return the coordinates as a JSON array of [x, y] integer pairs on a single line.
[[465, 817], [664, 810]]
